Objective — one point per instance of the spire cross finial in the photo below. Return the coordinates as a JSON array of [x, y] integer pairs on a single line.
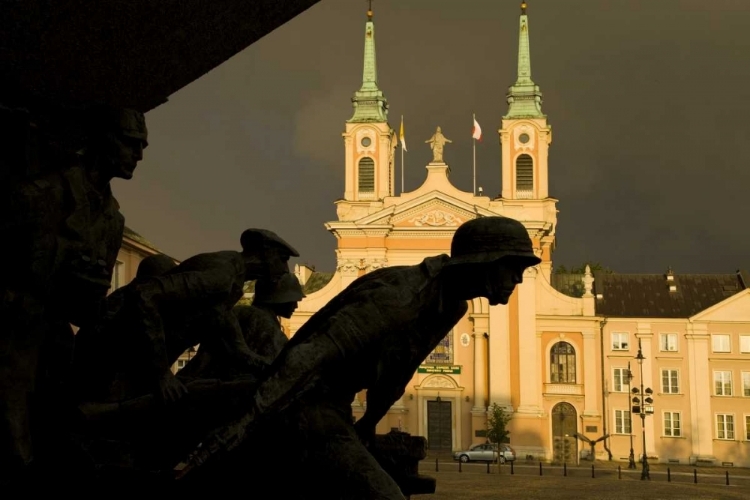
[[523, 7]]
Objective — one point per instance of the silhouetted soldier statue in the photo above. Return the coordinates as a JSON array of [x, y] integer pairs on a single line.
[[192, 304], [66, 230], [260, 321], [373, 336], [104, 366], [261, 330]]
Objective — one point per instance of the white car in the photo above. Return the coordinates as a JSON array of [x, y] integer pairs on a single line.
[[486, 452]]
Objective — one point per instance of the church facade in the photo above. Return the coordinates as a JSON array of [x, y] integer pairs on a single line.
[[562, 356]]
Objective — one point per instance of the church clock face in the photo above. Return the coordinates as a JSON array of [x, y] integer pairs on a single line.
[[523, 138], [365, 142]]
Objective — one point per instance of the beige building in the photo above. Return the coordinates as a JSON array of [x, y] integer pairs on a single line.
[[556, 356]]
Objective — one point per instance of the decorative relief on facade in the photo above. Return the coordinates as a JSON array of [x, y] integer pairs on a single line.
[[465, 339], [375, 264], [436, 218], [524, 138], [530, 272], [366, 141], [439, 382], [350, 267]]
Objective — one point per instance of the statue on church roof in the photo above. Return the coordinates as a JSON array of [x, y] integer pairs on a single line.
[[437, 142]]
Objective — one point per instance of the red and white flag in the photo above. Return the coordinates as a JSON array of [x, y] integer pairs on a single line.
[[476, 132]]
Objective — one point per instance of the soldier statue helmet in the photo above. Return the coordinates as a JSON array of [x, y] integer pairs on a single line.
[[280, 295], [488, 258], [266, 254]]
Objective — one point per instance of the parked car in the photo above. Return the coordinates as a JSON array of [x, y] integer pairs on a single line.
[[486, 452]]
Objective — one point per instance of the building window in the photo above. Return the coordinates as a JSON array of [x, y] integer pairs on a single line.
[[524, 176], [620, 342], [724, 426], [622, 422], [563, 364], [443, 352], [723, 383], [366, 176], [181, 364], [672, 426], [668, 342], [745, 344], [721, 343], [118, 276], [747, 427], [746, 384], [670, 383], [620, 380]]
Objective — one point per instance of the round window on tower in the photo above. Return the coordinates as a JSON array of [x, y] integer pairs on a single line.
[[524, 138], [366, 142]]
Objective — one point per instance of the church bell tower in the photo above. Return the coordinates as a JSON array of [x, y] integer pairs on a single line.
[[369, 140], [525, 138]]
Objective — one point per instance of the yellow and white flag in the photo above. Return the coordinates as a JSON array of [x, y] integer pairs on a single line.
[[401, 134]]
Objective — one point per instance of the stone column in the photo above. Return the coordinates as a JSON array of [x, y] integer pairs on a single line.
[[700, 382], [528, 345], [589, 363]]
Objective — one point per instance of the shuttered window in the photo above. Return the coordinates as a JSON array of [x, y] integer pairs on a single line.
[[524, 174], [366, 175]]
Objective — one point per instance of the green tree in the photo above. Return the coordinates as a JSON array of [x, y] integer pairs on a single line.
[[497, 421]]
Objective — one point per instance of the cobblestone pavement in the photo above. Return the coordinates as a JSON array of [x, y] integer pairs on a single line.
[[473, 482]]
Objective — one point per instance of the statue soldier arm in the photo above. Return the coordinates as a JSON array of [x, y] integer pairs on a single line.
[[401, 358], [216, 282], [147, 298]]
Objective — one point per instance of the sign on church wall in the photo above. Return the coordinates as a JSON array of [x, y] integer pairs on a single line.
[[451, 370]]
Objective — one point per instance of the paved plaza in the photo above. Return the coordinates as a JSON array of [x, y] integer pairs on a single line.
[[473, 482]]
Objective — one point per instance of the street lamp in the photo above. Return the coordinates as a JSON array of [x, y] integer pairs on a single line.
[[646, 408], [631, 457]]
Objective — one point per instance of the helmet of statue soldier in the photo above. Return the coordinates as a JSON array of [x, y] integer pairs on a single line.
[[280, 291], [488, 239], [253, 239], [154, 265], [121, 121]]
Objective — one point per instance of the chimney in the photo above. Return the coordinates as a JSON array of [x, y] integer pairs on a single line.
[[303, 272], [670, 280]]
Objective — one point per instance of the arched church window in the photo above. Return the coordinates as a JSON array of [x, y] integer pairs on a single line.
[[366, 175], [443, 352], [524, 175], [563, 364]]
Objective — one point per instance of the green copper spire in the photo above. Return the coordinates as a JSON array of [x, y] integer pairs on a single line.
[[524, 98], [370, 105]]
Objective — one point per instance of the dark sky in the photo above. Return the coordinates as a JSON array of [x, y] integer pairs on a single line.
[[649, 103]]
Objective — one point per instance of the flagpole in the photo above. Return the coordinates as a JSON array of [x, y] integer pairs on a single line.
[[402, 158], [474, 150]]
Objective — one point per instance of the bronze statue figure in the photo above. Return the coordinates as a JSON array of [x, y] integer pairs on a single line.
[[373, 336], [66, 230], [261, 330]]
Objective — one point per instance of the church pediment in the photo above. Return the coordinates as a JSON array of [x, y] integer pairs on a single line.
[[435, 210], [432, 210], [735, 309]]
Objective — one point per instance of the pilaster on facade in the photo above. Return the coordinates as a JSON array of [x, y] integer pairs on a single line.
[[481, 327], [529, 350], [590, 372], [701, 423], [498, 344]]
